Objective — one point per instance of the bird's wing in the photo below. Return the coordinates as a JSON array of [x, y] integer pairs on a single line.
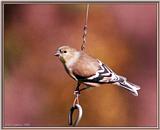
[[88, 69], [104, 75]]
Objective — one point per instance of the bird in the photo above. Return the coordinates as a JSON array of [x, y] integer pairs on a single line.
[[90, 71]]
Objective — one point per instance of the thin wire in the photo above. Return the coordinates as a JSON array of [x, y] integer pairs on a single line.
[[76, 104], [79, 116], [76, 100], [87, 10], [85, 29]]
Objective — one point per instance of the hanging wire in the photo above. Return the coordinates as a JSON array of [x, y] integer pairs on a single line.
[[76, 104], [85, 29]]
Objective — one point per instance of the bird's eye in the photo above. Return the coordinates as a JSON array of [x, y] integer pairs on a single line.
[[65, 51]]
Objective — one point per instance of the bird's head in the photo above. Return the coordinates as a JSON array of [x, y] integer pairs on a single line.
[[66, 53]]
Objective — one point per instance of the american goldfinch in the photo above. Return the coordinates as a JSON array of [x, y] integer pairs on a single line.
[[90, 71]]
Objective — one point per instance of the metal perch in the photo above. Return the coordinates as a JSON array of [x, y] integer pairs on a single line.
[[78, 117]]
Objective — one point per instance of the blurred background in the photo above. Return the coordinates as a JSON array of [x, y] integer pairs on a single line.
[[37, 90]]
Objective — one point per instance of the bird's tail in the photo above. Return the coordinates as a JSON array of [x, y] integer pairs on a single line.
[[129, 86]]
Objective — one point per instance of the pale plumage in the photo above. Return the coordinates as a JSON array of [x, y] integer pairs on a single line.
[[90, 71]]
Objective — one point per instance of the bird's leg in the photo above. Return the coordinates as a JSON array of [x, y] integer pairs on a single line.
[[77, 91]]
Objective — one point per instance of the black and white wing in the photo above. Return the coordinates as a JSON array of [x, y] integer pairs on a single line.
[[106, 75], [103, 75]]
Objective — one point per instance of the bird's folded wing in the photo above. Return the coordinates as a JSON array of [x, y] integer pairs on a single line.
[[88, 69]]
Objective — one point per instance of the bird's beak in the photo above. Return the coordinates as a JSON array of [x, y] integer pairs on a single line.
[[57, 54]]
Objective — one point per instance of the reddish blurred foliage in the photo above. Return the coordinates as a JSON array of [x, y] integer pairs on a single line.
[[37, 90]]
